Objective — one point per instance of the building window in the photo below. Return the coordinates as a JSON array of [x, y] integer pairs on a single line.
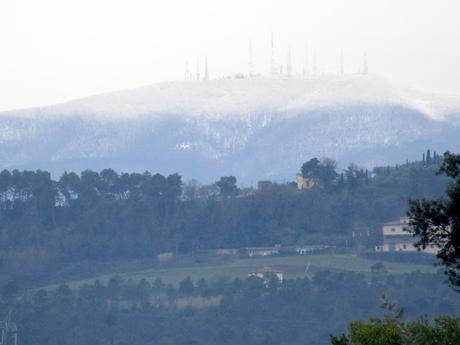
[[393, 229], [404, 246]]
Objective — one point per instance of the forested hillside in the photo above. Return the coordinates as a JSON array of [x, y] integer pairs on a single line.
[[48, 224], [250, 311]]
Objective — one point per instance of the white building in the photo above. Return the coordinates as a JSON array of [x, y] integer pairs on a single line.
[[164, 257], [304, 182], [304, 250], [266, 273], [397, 238], [262, 251]]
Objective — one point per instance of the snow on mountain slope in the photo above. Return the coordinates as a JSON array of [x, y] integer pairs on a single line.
[[240, 97], [253, 128]]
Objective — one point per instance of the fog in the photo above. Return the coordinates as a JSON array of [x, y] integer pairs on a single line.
[[55, 50]]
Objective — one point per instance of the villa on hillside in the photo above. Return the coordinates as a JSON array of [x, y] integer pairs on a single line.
[[304, 182], [397, 238]]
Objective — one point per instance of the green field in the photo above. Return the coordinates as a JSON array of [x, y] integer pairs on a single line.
[[291, 266]]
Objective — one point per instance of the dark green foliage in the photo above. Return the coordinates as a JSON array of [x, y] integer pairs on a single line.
[[437, 221], [391, 330], [227, 186], [47, 225], [323, 172], [234, 312]]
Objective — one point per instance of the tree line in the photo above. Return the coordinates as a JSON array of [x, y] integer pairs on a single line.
[[249, 311], [48, 224]]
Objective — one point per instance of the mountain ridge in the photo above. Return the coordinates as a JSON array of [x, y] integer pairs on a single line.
[[253, 128]]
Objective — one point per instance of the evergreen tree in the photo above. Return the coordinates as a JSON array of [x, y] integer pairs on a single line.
[[437, 221]]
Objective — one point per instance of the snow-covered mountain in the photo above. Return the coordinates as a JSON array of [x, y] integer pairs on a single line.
[[258, 128]]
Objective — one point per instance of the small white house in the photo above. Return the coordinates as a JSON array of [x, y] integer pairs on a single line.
[[304, 250], [164, 257], [265, 274]]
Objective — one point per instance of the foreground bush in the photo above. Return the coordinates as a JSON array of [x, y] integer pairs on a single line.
[[391, 330]]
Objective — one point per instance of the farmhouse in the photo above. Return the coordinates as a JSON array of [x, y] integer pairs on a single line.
[[397, 238]]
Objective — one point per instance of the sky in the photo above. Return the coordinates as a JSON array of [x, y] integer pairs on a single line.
[[52, 51]]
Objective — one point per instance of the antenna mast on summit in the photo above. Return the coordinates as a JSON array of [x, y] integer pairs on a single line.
[[341, 62], [315, 65], [206, 71], [365, 63], [306, 69], [251, 61], [288, 63], [187, 71], [272, 61]]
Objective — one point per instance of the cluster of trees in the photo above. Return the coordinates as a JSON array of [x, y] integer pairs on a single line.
[[223, 311], [437, 221], [392, 330], [48, 224], [107, 216], [324, 173], [431, 159], [434, 221]]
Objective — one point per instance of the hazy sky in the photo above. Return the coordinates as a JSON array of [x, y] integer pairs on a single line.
[[56, 50]]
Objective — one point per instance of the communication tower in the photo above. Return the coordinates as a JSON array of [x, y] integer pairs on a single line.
[[272, 60], [251, 60]]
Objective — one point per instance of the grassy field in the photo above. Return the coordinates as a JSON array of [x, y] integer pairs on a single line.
[[291, 266]]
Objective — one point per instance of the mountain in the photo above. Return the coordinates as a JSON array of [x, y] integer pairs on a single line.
[[257, 128]]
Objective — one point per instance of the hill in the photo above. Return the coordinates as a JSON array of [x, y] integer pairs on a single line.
[[50, 227], [294, 266], [259, 128]]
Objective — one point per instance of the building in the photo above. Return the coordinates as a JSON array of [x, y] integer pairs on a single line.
[[262, 251], [223, 251], [304, 182], [166, 256], [266, 273], [397, 238], [264, 185], [304, 250]]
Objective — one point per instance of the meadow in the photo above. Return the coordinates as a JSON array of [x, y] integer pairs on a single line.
[[291, 266]]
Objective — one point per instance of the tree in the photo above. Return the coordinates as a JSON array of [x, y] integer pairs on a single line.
[[186, 287], [227, 186], [321, 171], [355, 176], [437, 221], [391, 330]]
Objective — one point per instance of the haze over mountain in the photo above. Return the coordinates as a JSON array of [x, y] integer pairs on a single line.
[[254, 128]]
